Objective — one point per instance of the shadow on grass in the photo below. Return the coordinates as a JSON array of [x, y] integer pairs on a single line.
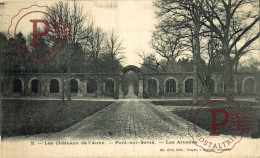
[[174, 103], [26, 117]]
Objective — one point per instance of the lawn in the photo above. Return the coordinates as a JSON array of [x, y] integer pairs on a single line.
[[204, 117], [27, 117], [174, 103]]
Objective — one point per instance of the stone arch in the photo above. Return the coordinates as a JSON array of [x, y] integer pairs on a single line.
[[132, 68], [185, 88], [139, 85], [174, 87], [248, 87], [149, 88], [34, 85], [108, 88], [235, 87], [91, 86], [54, 85], [74, 86], [18, 85]]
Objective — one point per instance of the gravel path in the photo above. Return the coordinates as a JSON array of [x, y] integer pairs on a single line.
[[131, 119]]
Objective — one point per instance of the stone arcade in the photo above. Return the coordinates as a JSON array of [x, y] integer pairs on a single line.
[[110, 85]]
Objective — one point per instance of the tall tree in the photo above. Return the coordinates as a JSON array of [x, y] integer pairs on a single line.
[[114, 46], [168, 46], [94, 47], [71, 22], [114, 50], [184, 15], [19, 65], [150, 61], [6, 54], [226, 25], [251, 64]]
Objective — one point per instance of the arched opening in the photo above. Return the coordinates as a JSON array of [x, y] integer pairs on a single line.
[[189, 85], [17, 86], [152, 86], [235, 87], [91, 86], [35, 86], [211, 85], [249, 85], [131, 82], [54, 86], [170, 86], [109, 86], [74, 86]]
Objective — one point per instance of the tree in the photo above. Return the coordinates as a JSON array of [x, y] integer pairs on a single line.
[[6, 54], [71, 22], [186, 65], [168, 46], [226, 25], [94, 47], [226, 21], [183, 15], [35, 67], [114, 51], [211, 61], [70, 18], [149, 61], [249, 65], [113, 46], [18, 65]]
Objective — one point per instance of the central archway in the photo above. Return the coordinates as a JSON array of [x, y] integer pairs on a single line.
[[124, 87]]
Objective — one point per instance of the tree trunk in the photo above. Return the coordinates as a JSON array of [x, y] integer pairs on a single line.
[[228, 73], [196, 62], [69, 84], [62, 88]]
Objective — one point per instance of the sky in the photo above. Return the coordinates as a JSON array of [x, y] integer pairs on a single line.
[[132, 20]]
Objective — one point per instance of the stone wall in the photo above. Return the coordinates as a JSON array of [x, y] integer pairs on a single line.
[[7, 84], [180, 79]]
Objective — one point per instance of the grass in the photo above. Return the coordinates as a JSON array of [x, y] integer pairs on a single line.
[[25, 117], [174, 103], [204, 117]]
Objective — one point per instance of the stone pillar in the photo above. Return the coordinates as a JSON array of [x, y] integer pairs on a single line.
[[158, 86], [182, 87], [84, 85], [9, 87], [81, 87], [141, 88], [26, 88], [121, 94], [220, 86], [120, 87], [45, 87], [99, 88], [42, 87]]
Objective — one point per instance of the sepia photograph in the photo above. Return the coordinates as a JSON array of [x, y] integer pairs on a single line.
[[129, 78]]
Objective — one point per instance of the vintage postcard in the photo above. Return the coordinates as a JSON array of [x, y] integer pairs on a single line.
[[129, 78]]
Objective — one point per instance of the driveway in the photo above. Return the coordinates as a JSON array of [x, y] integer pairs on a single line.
[[131, 119], [128, 119]]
